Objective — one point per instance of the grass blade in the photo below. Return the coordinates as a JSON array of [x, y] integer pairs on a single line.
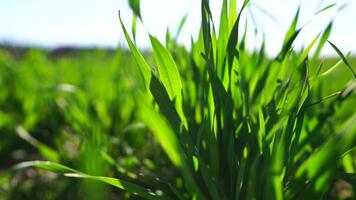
[[323, 39], [169, 75], [292, 29], [181, 25], [46, 151], [69, 172], [305, 53], [167, 69], [163, 132], [145, 69], [325, 8], [135, 6], [343, 58]]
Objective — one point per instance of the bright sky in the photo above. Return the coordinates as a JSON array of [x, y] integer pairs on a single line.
[[53, 23]]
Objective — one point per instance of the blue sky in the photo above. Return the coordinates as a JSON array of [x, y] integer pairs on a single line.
[[53, 23]]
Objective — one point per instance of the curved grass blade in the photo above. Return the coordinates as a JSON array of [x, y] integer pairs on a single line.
[[134, 27], [292, 29], [163, 133], [325, 8], [287, 46], [170, 144], [169, 75], [145, 69], [135, 6], [69, 172], [166, 106], [167, 68], [305, 53], [323, 39], [325, 98], [46, 151], [343, 58], [181, 25], [222, 38], [232, 13], [234, 36], [334, 66]]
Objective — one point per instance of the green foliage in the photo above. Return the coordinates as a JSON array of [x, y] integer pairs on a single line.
[[135, 6], [231, 123]]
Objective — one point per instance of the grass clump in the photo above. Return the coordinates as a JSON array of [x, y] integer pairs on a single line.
[[237, 124]]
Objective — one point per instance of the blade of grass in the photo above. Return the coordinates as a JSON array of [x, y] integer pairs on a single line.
[[145, 69], [69, 172], [325, 8], [343, 58], [45, 150], [292, 28], [323, 39], [167, 68], [333, 67], [169, 75], [135, 6], [181, 25], [163, 132], [234, 36], [170, 143], [305, 53]]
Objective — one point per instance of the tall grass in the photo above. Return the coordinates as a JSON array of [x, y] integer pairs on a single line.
[[235, 124]]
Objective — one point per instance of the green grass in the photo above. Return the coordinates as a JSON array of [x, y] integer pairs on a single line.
[[216, 122]]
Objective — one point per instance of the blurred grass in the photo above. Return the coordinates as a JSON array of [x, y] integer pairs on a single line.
[[77, 104]]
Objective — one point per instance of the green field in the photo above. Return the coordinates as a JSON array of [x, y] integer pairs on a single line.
[[218, 121]]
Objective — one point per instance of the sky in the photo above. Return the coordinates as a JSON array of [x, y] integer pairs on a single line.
[[94, 23]]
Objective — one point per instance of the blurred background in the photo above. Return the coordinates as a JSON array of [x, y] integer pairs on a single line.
[[94, 23]]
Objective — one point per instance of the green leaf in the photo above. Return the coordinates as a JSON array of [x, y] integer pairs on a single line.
[[181, 25], [288, 45], [135, 6], [167, 69], [325, 8], [232, 13], [292, 29], [234, 36], [134, 27], [343, 58], [69, 172], [166, 106], [323, 39], [222, 38], [145, 69], [169, 75], [305, 53], [334, 66], [162, 132], [45, 150], [167, 138]]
